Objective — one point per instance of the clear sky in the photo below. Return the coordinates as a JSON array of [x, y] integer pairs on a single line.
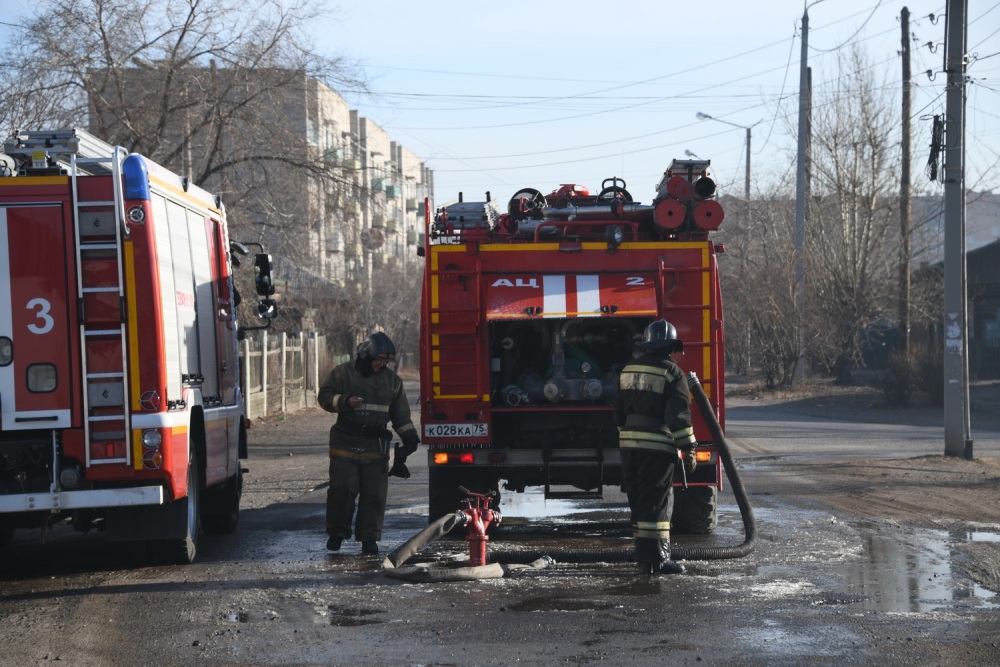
[[500, 96], [505, 95]]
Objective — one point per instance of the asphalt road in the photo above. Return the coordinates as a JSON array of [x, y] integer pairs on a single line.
[[820, 588]]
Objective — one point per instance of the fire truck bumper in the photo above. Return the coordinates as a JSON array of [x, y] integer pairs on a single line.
[[71, 500]]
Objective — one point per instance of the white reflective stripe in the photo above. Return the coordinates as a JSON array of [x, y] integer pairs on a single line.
[[160, 420], [554, 299], [406, 428], [588, 296], [652, 525], [683, 434], [141, 495], [373, 407], [6, 318], [667, 447], [645, 436], [31, 419], [656, 530]]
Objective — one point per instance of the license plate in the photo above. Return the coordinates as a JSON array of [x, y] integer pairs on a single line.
[[478, 430]]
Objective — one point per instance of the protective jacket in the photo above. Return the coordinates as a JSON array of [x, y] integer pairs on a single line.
[[654, 406], [362, 434]]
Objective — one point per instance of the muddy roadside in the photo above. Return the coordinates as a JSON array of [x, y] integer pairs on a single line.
[[930, 491]]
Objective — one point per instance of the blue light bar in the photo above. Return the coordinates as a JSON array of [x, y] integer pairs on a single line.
[[136, 177]]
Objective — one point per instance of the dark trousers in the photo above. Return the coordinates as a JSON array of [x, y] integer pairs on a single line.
[[647, 478], [365, 484]]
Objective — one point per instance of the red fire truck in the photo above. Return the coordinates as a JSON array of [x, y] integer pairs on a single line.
[[528, 316], [119, 371]]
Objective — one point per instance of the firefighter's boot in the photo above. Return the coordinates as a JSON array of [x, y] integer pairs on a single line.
[[648, 555], [653, 557], [668, 566]]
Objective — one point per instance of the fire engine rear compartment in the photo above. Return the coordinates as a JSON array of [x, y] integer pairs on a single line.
[[545, 372], [528, 317]]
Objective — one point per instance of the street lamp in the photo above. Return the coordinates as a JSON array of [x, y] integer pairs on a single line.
[[704, 116]]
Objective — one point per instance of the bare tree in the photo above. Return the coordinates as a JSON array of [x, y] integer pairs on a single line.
[[221, 91], [851, 238], [758, 283]]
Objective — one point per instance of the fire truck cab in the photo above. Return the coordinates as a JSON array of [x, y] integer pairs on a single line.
[[530, 313], [120, 400]]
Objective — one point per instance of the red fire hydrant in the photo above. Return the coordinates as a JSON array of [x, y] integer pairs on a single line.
[[479, 516]]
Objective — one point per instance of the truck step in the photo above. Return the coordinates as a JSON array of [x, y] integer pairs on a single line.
[[574, 495]]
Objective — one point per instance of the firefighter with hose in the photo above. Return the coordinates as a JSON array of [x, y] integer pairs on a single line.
[[653, 413], [366, 396]]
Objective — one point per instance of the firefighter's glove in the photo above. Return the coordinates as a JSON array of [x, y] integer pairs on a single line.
[[410, 442], [399, 468], [689, 459]]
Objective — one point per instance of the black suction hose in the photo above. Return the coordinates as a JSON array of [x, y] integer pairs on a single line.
[[746, 512], [679, 552]]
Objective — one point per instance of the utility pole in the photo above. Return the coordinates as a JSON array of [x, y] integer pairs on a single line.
[[801, 181], [904, 191], [957, 436]]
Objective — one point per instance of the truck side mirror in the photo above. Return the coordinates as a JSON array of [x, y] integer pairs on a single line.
[[262, 274], [267, 309]]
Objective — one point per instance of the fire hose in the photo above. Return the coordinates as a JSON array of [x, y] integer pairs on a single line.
[[480, 516], [477, 517]]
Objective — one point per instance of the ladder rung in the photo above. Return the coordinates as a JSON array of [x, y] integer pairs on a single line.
[[91, 290], [94, 202], [107, 418], [98, 246], [104, 376], [103, 332]]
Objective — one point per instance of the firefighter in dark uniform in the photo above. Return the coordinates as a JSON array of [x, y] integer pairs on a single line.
[[367, 396], [653, 413]]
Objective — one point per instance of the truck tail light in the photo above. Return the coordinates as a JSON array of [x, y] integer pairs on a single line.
[[442, 458]]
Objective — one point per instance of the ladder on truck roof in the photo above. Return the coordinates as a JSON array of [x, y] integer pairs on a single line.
[[62, 147], [100, 230]]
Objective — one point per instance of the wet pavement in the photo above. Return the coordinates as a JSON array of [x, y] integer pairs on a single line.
[[820, 587]]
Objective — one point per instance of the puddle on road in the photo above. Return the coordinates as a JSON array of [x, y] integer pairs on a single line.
[[905, 570], [352, 617]]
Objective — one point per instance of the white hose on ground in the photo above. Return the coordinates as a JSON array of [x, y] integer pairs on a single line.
[[393, 565]]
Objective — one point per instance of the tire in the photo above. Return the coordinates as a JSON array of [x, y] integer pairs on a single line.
[[695, 510], [6, 533], [185, 549], [220, 514]]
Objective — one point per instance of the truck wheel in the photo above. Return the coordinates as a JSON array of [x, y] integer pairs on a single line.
[[220, 512], [6, 533], [694, 510], [185, 550]]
